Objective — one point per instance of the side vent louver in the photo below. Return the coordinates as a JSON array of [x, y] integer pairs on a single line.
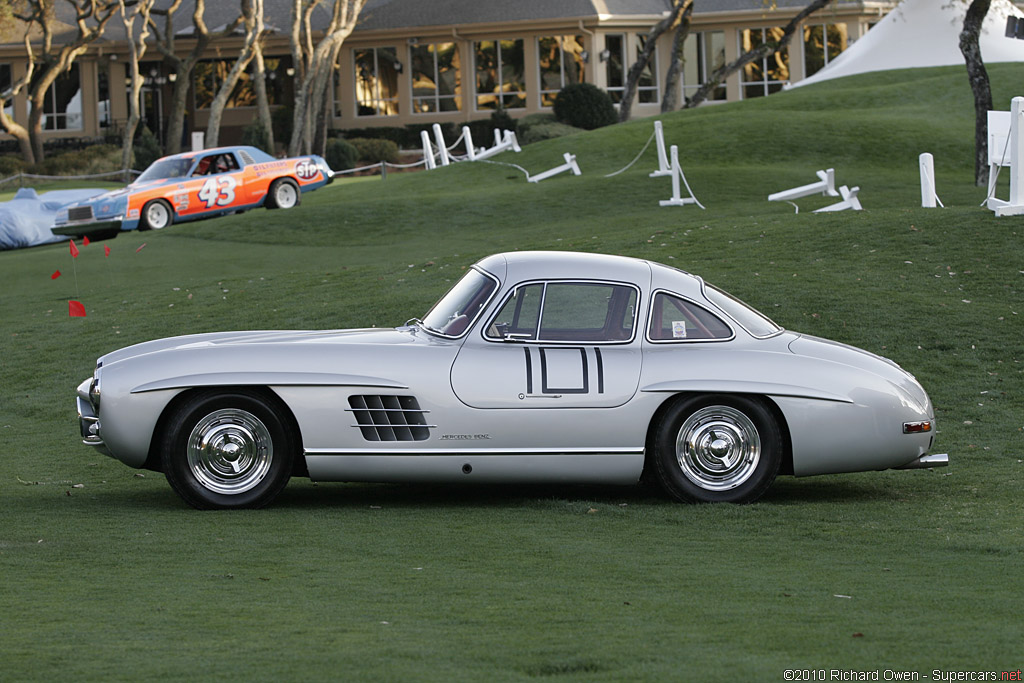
[[389, 418]]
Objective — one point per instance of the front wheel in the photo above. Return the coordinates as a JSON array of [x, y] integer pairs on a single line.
[[228, 450], [156, 215], [283, 194], [717, 449]]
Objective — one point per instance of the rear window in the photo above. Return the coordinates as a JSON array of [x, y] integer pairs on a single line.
[[676, 319], [752, 321]]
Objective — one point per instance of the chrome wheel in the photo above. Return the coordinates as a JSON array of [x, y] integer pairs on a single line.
[[230, 451], [718, 448]]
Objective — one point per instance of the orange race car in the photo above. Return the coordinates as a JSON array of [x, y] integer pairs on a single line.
[[196, 185]]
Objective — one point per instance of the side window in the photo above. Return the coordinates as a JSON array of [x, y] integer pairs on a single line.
[[519, 316], [567, 312], [676, 319]]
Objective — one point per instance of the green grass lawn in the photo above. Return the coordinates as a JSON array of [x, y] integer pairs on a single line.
[[106, 574]]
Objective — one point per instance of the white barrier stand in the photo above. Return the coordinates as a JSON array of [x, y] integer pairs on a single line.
[[467, 138], [998, 147], [503, 143], [928, 197], [826, 185], [428, 150], [850, 201], [498, 136], [198, 141], [659, 141], [442, 149], [1014, 158], [569, 165], [677, 175]]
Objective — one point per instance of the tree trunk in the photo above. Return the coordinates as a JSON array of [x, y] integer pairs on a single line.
[[262, 103], [671, 99], [250, 9], [759, 52], [633, 75], [978, 76]]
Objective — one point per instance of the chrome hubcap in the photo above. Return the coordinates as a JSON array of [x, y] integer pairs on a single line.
[[230, 451], [718, 448]]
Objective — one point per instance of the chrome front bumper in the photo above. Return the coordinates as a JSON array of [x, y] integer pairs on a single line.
[[88, 421]]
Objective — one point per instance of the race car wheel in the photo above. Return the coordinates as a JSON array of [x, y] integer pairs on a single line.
[[228, 450], [283, 194], [156, 215], [717, 448]]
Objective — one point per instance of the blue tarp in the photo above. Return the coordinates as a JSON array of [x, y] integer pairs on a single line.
[[25, 221]]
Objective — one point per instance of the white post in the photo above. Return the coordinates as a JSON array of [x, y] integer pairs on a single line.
[[467, 139], [510, 138], [428, 151], [927, 163], [826, 185], [659, 139], [498, 136], [569, 165], [1016, 203], [442, 149], [677, 177], [198, 140]]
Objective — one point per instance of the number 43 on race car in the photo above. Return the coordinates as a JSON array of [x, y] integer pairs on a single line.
[[219, 190]]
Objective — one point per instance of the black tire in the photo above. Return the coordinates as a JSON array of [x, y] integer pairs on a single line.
[[228, 449], [717, 449], [156, 215], [283, 194]]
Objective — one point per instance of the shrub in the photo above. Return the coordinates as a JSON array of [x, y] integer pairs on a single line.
[[146, 149], [341, 155], [374, 151], [85, 161], [255, 135], [11, 165], [585, 106]]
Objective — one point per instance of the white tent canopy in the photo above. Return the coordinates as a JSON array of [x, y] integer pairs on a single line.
[[923, 33]]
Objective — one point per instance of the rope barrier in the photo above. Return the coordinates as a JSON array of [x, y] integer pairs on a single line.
[[635, 159]]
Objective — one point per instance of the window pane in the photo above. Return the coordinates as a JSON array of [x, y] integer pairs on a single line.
[[614, 70], [376, 81], [499, 74], [674, 318], [647, 84], [561, 63], [519, 315], [436, 85], [5, 86], [587, 312], [457, 309]]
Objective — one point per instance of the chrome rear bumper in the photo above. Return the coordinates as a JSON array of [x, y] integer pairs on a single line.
[[926, 461]]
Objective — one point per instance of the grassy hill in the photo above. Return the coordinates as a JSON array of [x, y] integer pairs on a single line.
[[107, 575]]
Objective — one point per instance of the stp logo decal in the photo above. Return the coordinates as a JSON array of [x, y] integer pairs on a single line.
[[306, 169]]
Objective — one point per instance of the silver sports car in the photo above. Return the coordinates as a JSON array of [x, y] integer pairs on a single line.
[[534, 367]]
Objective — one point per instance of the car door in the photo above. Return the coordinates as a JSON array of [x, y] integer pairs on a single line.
[[554, 344], [214, 185]]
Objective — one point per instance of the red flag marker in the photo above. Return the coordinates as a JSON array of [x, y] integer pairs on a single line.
[[56, 274], [106, 250], [140, 248], [85, 241], [76, 309], [74, 250]]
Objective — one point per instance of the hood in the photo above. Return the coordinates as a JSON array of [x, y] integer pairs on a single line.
[[375, 336]]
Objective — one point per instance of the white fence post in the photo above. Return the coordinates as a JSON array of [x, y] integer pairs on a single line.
[[569, 165], [1014, 158], [659, 140], [198, 140], [428, 150], [467, 139], [928, 197], [677, 176], [442, 149]]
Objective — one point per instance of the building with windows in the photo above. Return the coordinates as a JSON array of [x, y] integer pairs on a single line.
[[412, 62]]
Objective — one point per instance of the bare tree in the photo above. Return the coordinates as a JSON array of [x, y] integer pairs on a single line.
[[9, 125], [635, 71], [48, 62], [136, 50], [314, 66], [260, 86], [670, 100], [183, 66], [762, 51], [977, 74], [252, 19]]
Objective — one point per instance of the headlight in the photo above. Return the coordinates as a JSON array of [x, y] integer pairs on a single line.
[[94, 394]]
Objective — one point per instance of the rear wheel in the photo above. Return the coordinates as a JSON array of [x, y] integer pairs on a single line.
[[156, 215], [717, 448], [283, 194], [230, 449]]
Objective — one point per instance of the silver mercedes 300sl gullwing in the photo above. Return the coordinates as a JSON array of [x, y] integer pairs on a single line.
[[534, 367]]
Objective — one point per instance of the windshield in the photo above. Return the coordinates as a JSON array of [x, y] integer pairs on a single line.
[[456, 311], [752, 321], [165, 168]]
